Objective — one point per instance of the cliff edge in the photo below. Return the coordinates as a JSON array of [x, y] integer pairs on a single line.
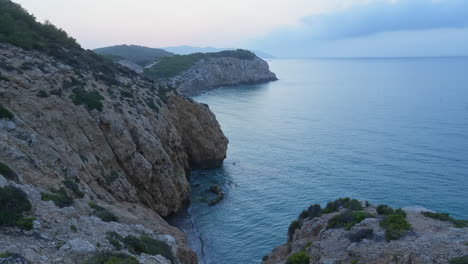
[[350, 231], [90, 144]]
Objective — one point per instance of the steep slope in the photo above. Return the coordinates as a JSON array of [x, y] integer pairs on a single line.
[[71, 119], [198, 72], [349, 231], [138, 55]]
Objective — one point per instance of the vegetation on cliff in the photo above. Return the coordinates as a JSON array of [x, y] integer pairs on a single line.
[[14, 203], [137, 54], [169, 67]]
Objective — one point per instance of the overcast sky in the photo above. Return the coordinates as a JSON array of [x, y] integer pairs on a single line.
[[289, 28]]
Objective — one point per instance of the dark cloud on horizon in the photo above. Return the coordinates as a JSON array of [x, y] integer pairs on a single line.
[[364, 21], [404, 15]]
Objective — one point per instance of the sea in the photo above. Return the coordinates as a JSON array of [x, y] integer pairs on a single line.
[[389, 131]]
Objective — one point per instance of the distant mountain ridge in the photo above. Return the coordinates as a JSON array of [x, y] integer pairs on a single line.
[[139, 55], [184, 50], [195, 72]]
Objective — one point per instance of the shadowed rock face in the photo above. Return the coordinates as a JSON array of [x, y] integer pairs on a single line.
[[209, 74], [139, 148], [127, 142]]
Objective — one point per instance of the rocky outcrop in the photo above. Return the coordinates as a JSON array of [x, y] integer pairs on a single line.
[[73, 234], [212, 73], [316, 238], [128, 142]]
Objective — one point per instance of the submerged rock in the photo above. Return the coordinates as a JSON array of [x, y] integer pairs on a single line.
[[216, 189]]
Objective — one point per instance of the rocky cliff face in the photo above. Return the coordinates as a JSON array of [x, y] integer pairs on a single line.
[[371, 235], [127, 142], [213, 73]]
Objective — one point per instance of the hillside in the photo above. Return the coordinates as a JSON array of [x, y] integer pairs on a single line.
[[139, 55], [185, 50], [93, 154], [198, 72]]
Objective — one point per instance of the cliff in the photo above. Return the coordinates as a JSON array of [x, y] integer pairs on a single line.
[[83, 137], [349, 231], [194, 73], [211, 73]]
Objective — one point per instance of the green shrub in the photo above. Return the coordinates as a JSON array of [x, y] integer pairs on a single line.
[[347, 219], [42, 94], [299, 257], [7, 172], [5, 113], [92, 100], [3, 78], [103, 213], [348, 203], [6, 254], [19, 28], [73, 186], [111, 258], [148, 245], [58, 196], [313, 211], [446, 218], [13, 204], [459, 260], [395, 226], [115, 239], [292, 228], [73, 228], [385, 210]]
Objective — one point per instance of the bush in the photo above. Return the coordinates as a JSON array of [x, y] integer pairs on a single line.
[[19, 28], [459, 260], [13, 204], [7, 172], [58, 196], [92, 100], [3, 78], [360, 234], [103, 213], [384, 210], [395, 226], [42, 94], [73, 186], [313, 211], [292, 228], [111, 258], [347, 219], [148, 245], [73, 228], [342, 203], [114, 239], [299, 257], [446, 218], [5, 113]]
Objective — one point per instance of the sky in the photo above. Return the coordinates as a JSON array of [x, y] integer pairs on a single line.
[[284, 28]]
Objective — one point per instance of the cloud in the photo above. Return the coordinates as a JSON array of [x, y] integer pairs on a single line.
[[381, 17], [370, 21]]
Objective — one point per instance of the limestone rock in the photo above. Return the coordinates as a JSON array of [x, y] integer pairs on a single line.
[[213, 73]]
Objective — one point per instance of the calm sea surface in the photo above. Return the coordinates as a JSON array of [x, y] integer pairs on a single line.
[[391, 131]]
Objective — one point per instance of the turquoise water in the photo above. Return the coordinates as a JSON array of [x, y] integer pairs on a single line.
[[391, 131]]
